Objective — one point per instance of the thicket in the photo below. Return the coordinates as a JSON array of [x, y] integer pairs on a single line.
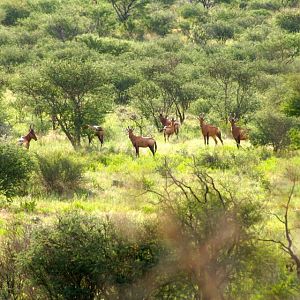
[[16, 168], [59, 173]]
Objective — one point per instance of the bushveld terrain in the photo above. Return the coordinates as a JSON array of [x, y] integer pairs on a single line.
[[195, 221]]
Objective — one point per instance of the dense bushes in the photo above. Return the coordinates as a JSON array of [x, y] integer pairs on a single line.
[[272, 129], [16, 166], [81, 257], [289, 21], [60, 173]]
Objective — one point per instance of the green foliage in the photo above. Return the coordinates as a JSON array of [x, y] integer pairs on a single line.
[[220, 31], [59, 172], [82, 256], [16, 167], [14, 11], [289, 21], [72, 90], [12, 279], [268, 5], [106, 45], [160, 21], [272, 128], [66, 26], [292, 105]]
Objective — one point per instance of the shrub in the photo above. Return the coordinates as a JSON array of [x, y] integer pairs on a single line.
[[14, 11], [16, 166], [220, 31], [12, 280], [83, 256], [160, 22], [268, 5], [289, 21], [272, 129], [60, 173]]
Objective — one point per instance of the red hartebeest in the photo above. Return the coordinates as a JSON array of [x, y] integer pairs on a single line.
[[166, 122], [141, 141], [238, 133], [169, 130], [95, 131], [25, 140], [209, 130]]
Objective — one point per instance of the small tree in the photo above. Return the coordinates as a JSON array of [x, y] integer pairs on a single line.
[[272, 128], [72, 90], [292, 104], [211, 231]]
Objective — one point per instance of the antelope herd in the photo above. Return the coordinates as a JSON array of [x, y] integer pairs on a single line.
[[170, 127]]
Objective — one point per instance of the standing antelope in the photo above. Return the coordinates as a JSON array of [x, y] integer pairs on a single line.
[[169, 130], [25, 140], [238, 133], [95, 131], [166, 122], [209, 130], [141, 141]]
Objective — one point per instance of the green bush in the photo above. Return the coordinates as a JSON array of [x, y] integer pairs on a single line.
[[16, 167], [289, 21], [272, 129], [220, 31], [82, 256], [161, 22], [59, 172], [14, 11]]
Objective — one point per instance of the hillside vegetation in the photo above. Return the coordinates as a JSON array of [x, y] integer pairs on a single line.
[[85, 220]]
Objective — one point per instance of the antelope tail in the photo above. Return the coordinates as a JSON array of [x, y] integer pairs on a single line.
[[155, 147]]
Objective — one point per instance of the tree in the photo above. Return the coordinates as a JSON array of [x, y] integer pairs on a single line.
[[236, 82], [272, 128], [292, 104], [211, 230], [286, 243], [125, 8], [146, 97], [72, 90]]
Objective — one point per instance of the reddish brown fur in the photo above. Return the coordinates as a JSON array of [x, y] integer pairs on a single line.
[[95, 131], [166, 122], [238, 133], [25, 140], [169, 130], [141, 141], [209, 130]]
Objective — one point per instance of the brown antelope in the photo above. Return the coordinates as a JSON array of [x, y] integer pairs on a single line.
[[95, 131], [209, 130], [169, 130], [238, 133], [141, 141], [25, 140], [166, 122]]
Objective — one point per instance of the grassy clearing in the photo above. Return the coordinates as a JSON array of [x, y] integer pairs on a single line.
[[114, 180]]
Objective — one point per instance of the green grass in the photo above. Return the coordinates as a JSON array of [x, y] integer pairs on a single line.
[[115, 180]]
